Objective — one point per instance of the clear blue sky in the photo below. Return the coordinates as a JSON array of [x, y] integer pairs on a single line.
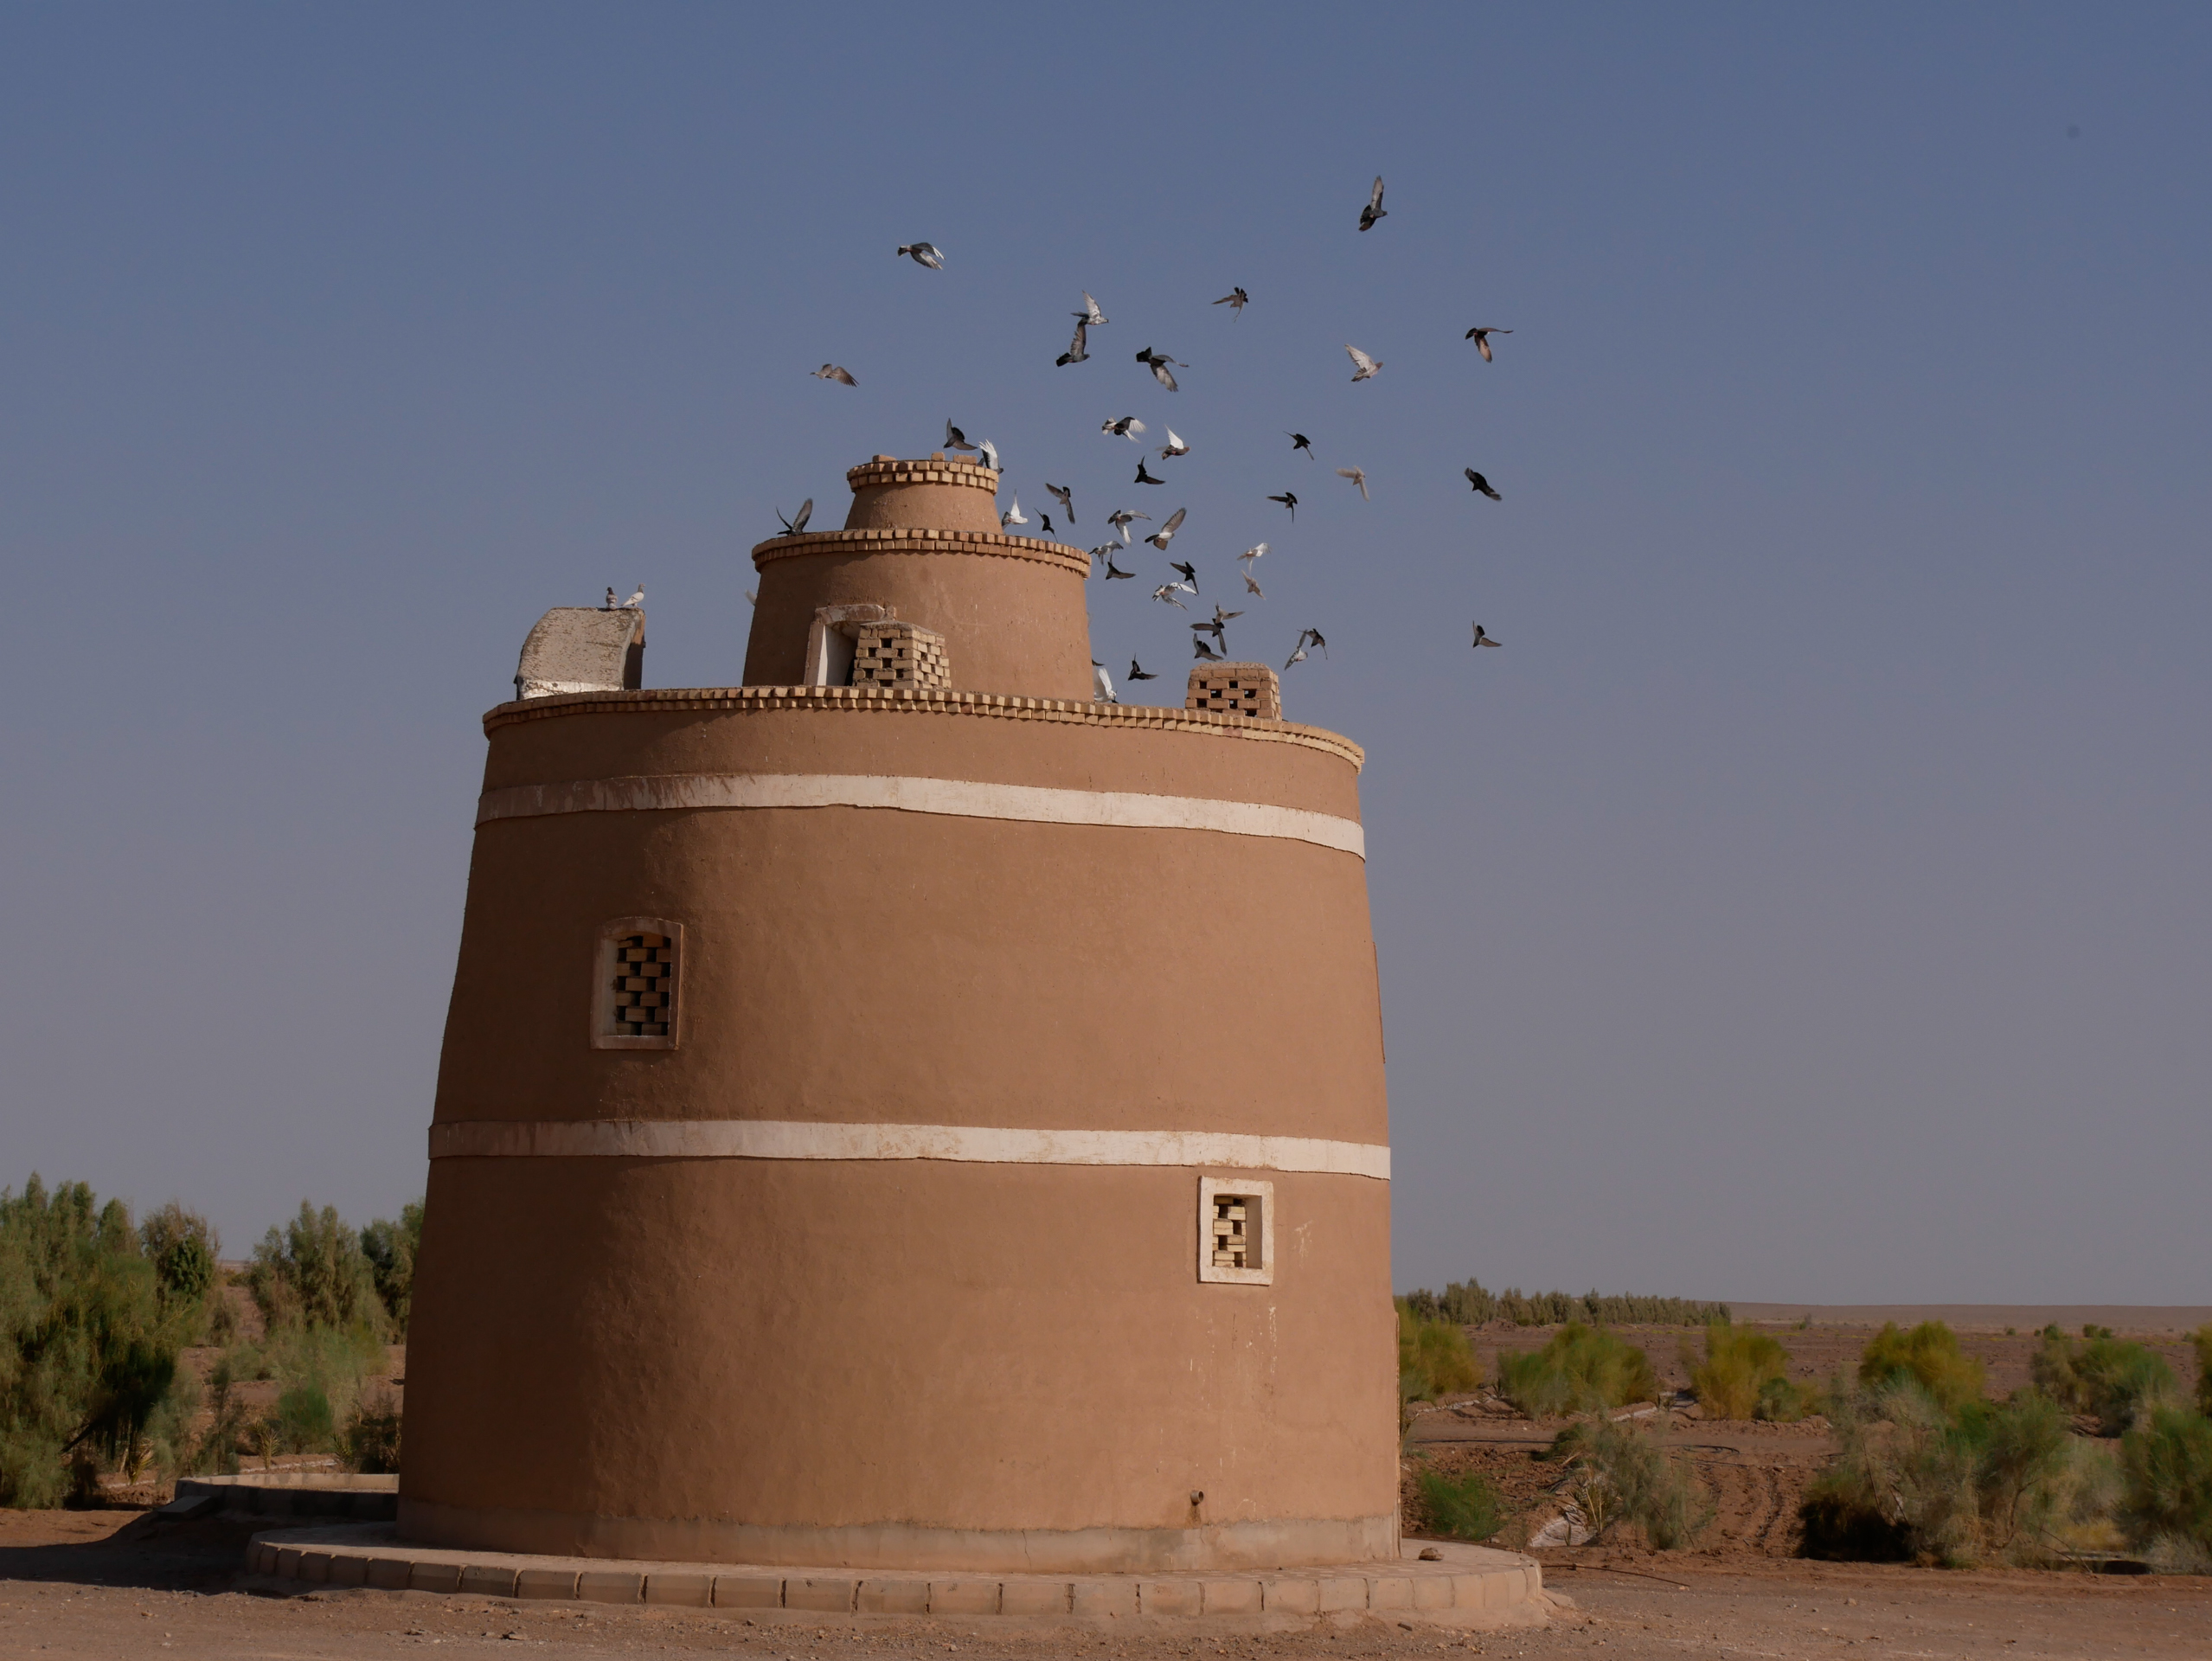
[[1809, 902]]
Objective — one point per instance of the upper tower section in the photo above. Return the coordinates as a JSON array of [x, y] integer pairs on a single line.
[[922, 546]]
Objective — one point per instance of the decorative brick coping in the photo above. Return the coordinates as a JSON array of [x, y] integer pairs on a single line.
[[937, 469], [926, 701], [898, 539], [1469, 1586]]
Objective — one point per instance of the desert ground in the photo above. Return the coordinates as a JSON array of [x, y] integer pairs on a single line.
[[119, 1582]]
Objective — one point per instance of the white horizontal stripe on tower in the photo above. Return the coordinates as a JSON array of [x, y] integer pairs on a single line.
[[770, 1138], [960, 798]]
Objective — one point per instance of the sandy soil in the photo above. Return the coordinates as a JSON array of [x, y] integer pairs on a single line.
[[76, 1584]]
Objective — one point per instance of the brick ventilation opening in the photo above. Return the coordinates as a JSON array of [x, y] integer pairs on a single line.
[[1237, 1230], [1232, 1247], [900, 654], [1235, 689], [642, 1004]]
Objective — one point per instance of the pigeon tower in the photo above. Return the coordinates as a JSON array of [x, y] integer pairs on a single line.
[[901, 1113]]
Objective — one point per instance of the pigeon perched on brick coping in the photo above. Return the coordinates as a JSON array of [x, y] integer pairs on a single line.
[[1101, 684], [831, 372], [636, 599], [1374, 209], [610, 597], [1481, 337], [924, 254]]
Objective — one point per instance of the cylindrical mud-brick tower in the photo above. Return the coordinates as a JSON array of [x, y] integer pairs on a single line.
[[900, 1113]]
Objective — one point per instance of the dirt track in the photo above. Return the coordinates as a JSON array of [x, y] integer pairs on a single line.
[[79, 1584]]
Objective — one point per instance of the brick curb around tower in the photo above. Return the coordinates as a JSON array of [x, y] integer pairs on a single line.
[[1469, 1586]]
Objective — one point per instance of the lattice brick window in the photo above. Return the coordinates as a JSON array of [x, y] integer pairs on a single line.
[[634, 1001], [899, 654], [1236, 1231], [1235, 689]]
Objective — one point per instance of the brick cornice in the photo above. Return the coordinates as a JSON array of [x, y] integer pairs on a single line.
[[855, 700], [901, 540]]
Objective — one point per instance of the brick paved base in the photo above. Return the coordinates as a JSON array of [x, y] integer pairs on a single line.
[[1469, 1586]]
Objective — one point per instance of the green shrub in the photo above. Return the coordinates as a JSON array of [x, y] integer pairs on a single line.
[[2115, 1379], [1739, 1365], [1466, 1303], [371, 1441], [314, 1274], [2166, 1467], [1581, 1369], [1434, 1359], [88, 1343], [1624, 1476], [2201, 1341], [302, 1421], [1464, 1508], [1783, 1400], [1915, 1480], [390, 1248], [1928, 1356]]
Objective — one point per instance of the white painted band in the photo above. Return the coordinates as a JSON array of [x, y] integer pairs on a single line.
[[961, 798], [769, 1138]]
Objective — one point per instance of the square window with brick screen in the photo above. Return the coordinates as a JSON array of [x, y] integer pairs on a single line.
[[634, 1005], [1236, 1231]]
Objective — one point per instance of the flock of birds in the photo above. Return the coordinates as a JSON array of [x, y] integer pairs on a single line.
[[1163, 368]]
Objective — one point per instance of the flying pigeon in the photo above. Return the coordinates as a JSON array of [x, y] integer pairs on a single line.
[[1138, 674], [1013, 515], [1250, 586], [1047, 519], [1358, 476], [1175, 446], [1165, 593], [1257, 551], [954, 439], [1481, 483], [1289, 499], [1112, 570], [1300, 441], [1065, 495], [1090, 313], [1236, 299], [1143, 477], [1075, 352], [1363, 367], [1126, 426], [1219, 627], [1159, 363], [1482, 639], [831, 372], [924, 254], [1374, 209], [1120, 519], [797, 522], [1101, 684], [989, 451], [1307, 638], [1200, 649], [1165, 533], [1189, 574], [1481, 337], [1296, 656]]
